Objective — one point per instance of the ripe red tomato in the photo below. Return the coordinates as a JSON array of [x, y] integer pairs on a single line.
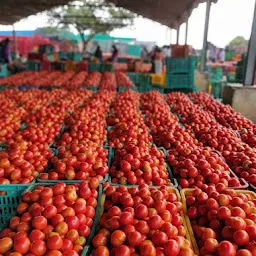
[[159, 238], [241, 237], [6, 244], [39, 222], [99, 240], [171, 248], [117, 238], [54, 242], [21, 245], [38, 247], [226, 248], [141, 211], [134, 238]]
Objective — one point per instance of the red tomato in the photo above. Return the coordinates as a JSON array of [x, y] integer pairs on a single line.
[[241, 237], [226, 248], [54, 242], [159, 238], [117, 238], [39, 222], [6, 244], [99, 240], [102, 251], [134, 238], [171, 248], [38, 247], [21, 245]]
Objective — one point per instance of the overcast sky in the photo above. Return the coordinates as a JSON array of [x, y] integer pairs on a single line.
[[229, 18]]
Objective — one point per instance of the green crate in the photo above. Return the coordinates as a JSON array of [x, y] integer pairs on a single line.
[[121, 60], [145, 88], [87, 248], [180, 65], [217, 90], [95, 67], [3, 70], [107, 68], [77, 181], [158, 88], [92, 88], [144, 79], [10, 201], [134, 77], [177, 81], [33, 65], [126, 88], [231, 77]]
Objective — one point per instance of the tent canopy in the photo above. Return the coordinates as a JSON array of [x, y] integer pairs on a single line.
[[12, 11], [171, 13]]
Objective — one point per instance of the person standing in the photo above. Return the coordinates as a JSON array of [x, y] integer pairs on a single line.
[[158, 61], [98, 54], [115, 52], [5, 51]]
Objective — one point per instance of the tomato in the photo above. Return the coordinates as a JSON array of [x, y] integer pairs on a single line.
[[53, 253], [38, 247], [62, 228], [134, 238], [21, 245], [99, 240], [54, 242], [226, 248], [70, 253], [121, 250], [155, 222], [142, 226], [186, 252], [159, 238], [241, 237], [102, 251], [6, 244], [141, 211], [147, 250], [211, 245], [126, 218], [67, 245], [243, 252], [117, 238], [36, 234], [72, 235], [39, 222], [171, 248], [49, 211]]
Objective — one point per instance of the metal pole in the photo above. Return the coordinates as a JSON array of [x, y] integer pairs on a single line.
[[14, 42], [186, 35], [178, 35], [251, 55], [206, 27]]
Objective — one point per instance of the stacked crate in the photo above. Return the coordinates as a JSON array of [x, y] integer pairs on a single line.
[[180, 73]]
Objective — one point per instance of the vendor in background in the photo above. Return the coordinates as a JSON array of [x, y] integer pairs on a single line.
[[115, 52], [5, 51], [222, 55], [158, 62], [144, 53], [98, 54]]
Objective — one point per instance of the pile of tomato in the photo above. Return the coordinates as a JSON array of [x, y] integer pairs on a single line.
[[132, 146]]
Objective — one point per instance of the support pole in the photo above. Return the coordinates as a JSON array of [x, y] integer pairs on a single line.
[[251, 55], [186, 33], [14, 42], [178, 35], [206, 27]]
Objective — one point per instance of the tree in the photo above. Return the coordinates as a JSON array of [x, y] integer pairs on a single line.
[[90, 17], [238, 41]]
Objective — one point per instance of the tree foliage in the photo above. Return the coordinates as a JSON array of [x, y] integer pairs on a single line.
[[238, 41], [90, 17]]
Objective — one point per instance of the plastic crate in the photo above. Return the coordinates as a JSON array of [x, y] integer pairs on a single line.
[[78, 181], [134, 77], [9, 201], [126, 88], [179, 81], [144, 79], [95, 67], [108, 68], [231, 77], [158, 79], [33, 65], [158, 88], [92, 88], [3, 70], [189, 191], [180, 65], [87, 248], [170, 190], [145, 88]]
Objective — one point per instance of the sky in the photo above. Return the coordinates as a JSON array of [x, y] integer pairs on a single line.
[[228, 19]]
